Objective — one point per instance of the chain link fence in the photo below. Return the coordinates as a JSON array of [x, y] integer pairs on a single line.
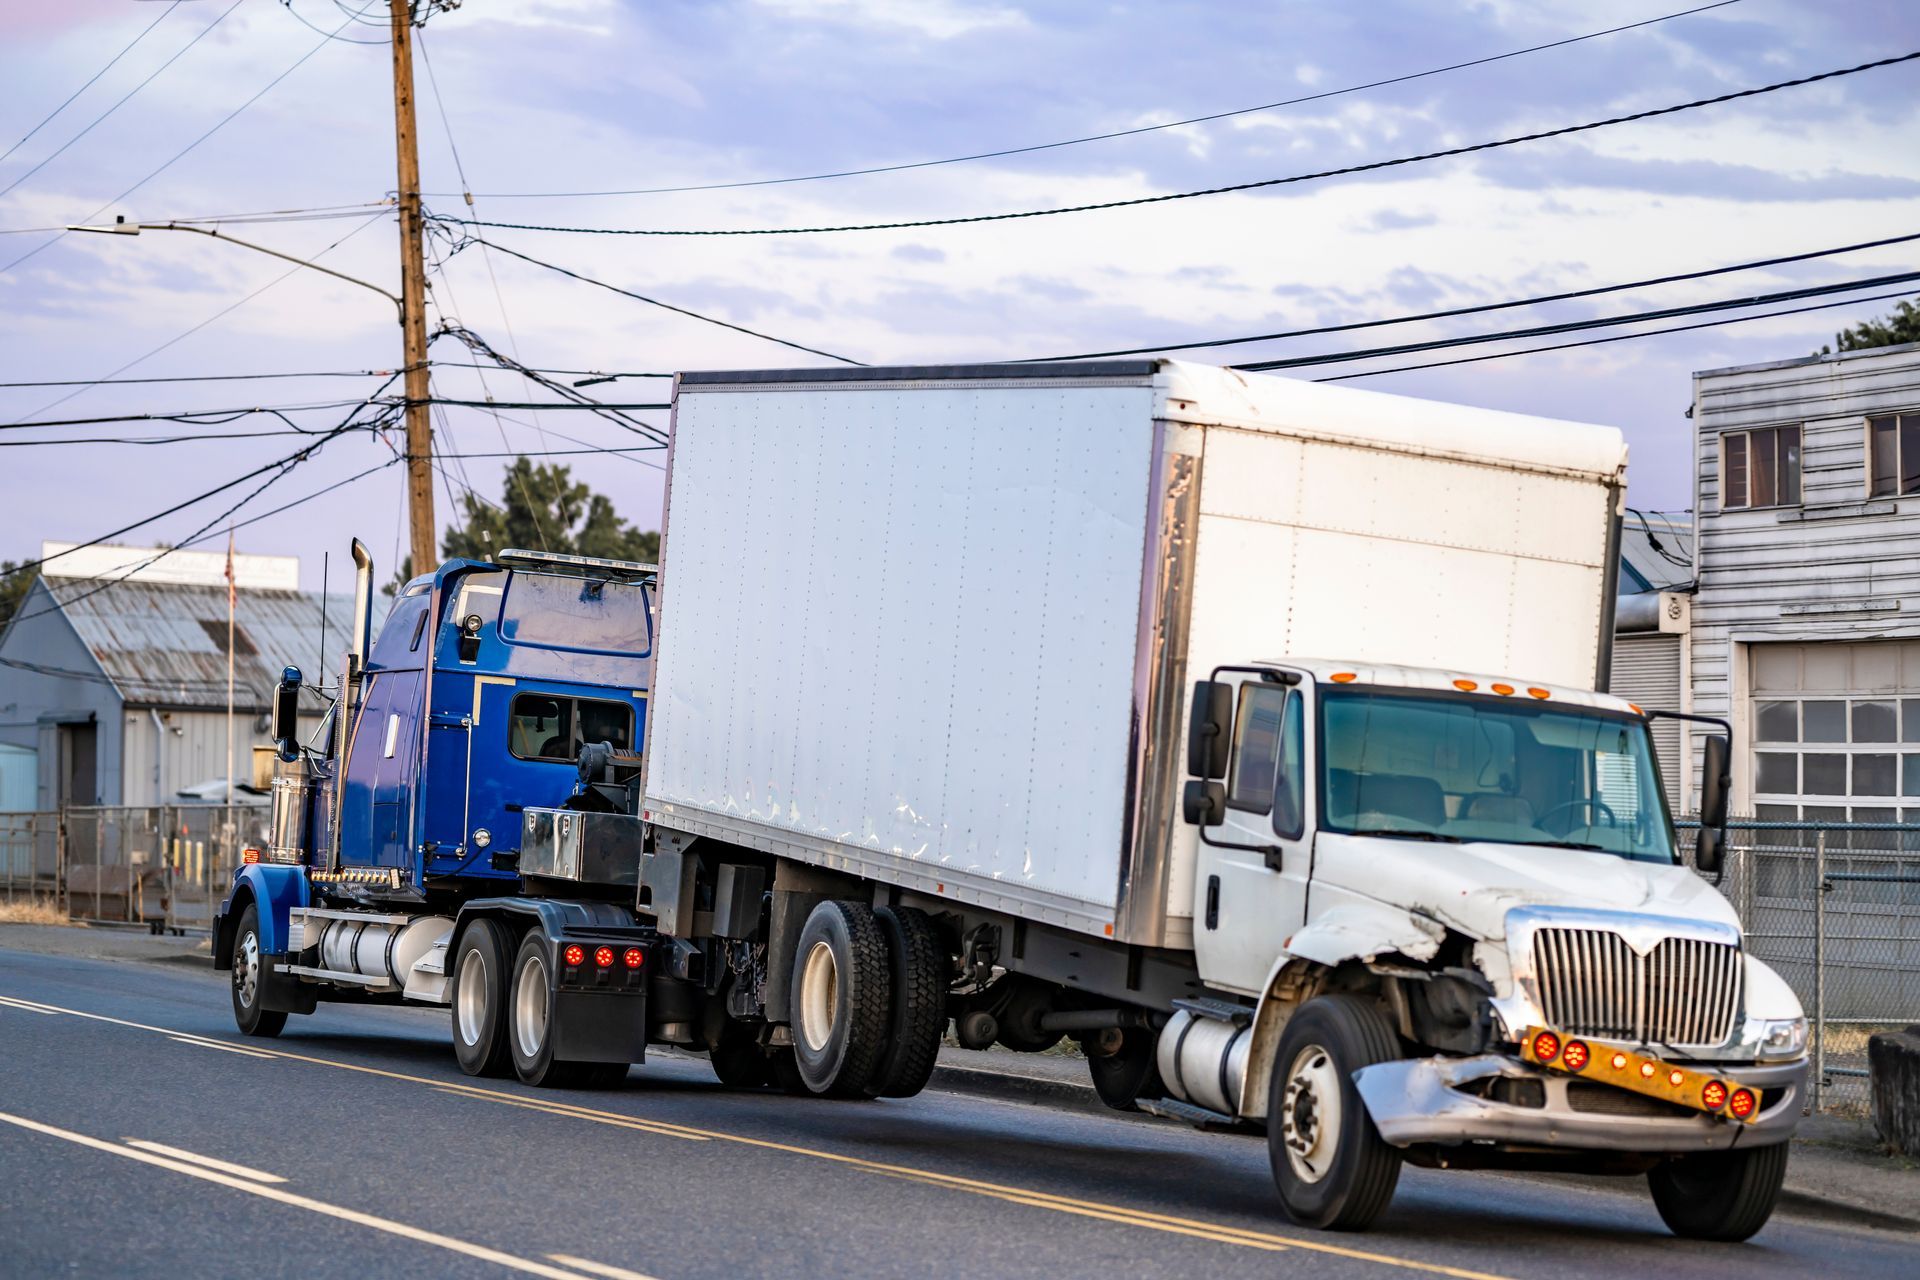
[[30, 857], [1834, 908], [164, 866]]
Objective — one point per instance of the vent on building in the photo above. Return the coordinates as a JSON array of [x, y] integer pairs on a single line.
[[243, 647]]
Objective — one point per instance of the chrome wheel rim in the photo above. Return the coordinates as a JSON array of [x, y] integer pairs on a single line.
[[819, 994], [530, 1006], [470, 1008], [1310, 1113], [246, 973]]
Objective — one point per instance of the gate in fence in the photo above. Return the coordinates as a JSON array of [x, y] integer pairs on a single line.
[[164, 866]]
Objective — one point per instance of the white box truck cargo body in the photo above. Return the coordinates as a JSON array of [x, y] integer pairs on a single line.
[[934, 626]]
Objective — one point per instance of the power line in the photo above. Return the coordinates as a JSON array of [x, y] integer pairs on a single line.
[[1369, 167], [1481, 308], [1117, 133], [209, 377], [555, 453], [543, 405], [1617, 337], [195, 417], [654, 302], [111, 63], [182, 152], [1575, 326], [122, 100], [150, 440], [479, 346]]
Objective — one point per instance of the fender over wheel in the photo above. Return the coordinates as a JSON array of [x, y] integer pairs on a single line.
[[1331, 1165], [249, 975], [841, 999]]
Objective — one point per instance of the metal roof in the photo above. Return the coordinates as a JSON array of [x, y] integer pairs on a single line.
[[1656, 553], [166, 643]]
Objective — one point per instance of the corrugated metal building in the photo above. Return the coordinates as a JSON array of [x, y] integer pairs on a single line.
[[1806, 625], [113, 688], [1650, 627]]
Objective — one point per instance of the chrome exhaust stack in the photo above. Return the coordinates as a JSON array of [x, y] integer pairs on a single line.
[[359, 640]]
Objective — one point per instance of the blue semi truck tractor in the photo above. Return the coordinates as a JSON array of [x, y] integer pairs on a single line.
[[455, 832]]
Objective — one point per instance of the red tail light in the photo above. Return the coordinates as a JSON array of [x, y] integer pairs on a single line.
[[575, 954], [1742, 1103], [635, 957], [250, 855], [1574, 1056], [1714, 1094], [1546, 1046], [603, 956]]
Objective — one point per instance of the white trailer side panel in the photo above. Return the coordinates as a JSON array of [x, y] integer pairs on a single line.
[[899, 626]]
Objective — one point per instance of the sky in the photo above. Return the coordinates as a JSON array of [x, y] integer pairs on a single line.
[[533, 97]]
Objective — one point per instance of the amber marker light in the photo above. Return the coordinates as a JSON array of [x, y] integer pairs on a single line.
[[1619, 1062], [1505, 690], [1465, 686], [1343, 677], [1574, 1056], [1676, 1077], [1540, 693], [250, 855], [1646, 1071]]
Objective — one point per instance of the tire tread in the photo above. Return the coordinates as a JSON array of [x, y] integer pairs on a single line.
[[919, 1014]]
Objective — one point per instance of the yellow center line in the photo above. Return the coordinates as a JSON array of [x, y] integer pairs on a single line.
[[293, 1200], [1169, 1223]]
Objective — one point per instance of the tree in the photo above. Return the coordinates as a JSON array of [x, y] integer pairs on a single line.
[[14, 584], [1902, 326], [543, 509]]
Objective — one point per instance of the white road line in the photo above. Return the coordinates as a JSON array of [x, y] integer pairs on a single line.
[[215, 1044], [237, 1170], [401, 1229], [27, 1006], [598, 1268]]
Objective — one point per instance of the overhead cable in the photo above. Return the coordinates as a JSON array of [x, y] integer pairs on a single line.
[[111, 63], [1102, 137], [1344, 170], [1575, 326], [208, 377], [1481, 308]]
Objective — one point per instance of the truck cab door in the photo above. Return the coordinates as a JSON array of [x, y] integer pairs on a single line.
[[1254, 868]]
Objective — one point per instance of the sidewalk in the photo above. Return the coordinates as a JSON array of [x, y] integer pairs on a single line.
[[1839, 1170]]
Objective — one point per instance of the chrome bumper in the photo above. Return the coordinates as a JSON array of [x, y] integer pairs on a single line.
[[1423, 1100]]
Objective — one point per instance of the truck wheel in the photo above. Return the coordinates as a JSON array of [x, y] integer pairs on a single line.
[[1332, 1167], [479, 995], [1719, 1195], [249, 980], [1123, 1078], [919, 1002], [530, 1025], [840, 999]]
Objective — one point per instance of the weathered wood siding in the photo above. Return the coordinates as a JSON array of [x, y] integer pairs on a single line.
[[1838, 566]]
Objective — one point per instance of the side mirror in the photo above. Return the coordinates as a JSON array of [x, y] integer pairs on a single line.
[[1204, 803], [1210, 730], [286, 714], [1716, 784]]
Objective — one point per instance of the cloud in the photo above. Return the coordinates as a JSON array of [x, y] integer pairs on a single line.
[[935, 19], [1400, 220], [919, 253]]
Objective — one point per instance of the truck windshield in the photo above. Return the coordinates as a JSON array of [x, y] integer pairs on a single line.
[[1468, 767]]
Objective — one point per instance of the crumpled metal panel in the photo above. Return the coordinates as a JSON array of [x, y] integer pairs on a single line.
[[165, 643]]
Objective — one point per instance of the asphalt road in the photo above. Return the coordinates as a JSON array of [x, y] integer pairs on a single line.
[[353, 1146]]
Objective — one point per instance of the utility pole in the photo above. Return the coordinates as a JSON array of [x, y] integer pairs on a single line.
[[413, 297]]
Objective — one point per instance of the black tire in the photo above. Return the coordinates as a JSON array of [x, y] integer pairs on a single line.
[[1336, 1176], [530, 1025], [786, 1072], [249, 976], [1719, 1195], [738, 1060], [841, 1000], [478, 991], [1123, 1078], [919, 1002]]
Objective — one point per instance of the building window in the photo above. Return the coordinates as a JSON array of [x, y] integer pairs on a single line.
[[1760, 468], [1893, 455]]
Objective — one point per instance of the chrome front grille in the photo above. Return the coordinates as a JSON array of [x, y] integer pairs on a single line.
[[1683, 991]]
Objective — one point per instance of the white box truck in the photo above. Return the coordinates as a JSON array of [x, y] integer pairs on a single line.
[[1242, 728]]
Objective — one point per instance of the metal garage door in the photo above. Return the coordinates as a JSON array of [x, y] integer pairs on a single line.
[[1646, 672]]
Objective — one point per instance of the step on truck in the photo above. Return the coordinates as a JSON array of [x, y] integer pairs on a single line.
[[1251, 732]]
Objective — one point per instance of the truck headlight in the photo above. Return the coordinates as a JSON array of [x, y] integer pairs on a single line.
[[1784, 1038]]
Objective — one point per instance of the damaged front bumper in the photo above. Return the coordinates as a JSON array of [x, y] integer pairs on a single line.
[[1498, 1099]]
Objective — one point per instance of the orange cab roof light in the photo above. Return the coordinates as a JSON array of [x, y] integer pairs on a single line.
[[1465, 686], [1539, 693], [1343, 677], [1503, 690]]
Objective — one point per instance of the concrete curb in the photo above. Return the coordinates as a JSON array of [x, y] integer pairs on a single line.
[[1798, 1202]]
